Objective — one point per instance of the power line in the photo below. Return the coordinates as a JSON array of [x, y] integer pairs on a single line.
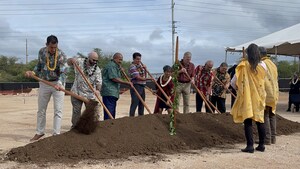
[[232, 10], [249, 2], [219, 13], [82, 8], [70, 3], [87, 12]]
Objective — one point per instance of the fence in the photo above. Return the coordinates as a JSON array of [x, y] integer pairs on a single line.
[[24, 86]]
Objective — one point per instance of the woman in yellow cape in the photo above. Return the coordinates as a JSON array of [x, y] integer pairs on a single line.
[[251, 96]]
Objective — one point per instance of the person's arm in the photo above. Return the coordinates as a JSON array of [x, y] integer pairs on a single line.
[[135, 74], [192, 73], [227, 83], [114, 75], [62, 62], [209, 84], [119, 80], [98, 79], [233, 82]]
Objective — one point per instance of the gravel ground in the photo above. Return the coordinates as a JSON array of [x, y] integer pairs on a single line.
[[17, 126]]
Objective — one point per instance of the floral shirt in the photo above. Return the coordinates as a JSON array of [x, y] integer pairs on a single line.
[[56, 65], [203, 79], [218, 88], [92, 73]]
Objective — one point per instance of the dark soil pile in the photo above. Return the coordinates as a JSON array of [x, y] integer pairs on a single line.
[[143, 135]]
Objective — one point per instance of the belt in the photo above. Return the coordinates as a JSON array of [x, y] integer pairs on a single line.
[[184, 81]]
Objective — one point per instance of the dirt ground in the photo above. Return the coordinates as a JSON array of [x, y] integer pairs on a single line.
[[17, 126]]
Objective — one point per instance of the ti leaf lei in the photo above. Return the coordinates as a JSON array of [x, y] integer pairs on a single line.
[[176, 99]]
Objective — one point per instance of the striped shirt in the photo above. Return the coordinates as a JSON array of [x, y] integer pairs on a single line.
[[137, 71]]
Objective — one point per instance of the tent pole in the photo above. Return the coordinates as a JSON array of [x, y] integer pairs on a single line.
[[298, 63], [226, 56]]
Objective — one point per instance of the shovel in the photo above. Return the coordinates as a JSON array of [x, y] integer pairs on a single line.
[[87, 122]]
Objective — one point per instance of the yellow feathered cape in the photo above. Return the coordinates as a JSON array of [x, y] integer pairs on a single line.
[[251, 95], [271, 84]]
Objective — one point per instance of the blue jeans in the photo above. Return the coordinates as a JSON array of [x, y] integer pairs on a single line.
[[111, 103], [135, 101]]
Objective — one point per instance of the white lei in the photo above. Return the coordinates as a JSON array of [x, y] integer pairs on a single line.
[[161, 83], [295, 82]]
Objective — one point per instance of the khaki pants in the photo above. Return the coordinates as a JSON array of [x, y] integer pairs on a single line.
[[184, 89], [45, 93], [270, 125]]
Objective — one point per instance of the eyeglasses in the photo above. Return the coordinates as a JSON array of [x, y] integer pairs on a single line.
[[94, 60]]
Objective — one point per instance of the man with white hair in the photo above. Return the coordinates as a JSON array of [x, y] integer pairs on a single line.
[[185, 79], [92, 72], [204, 79]]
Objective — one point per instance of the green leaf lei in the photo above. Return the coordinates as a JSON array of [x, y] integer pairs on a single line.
[[176, 99]]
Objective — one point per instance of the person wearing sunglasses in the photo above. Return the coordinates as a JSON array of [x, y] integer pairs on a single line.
[[92, 72]]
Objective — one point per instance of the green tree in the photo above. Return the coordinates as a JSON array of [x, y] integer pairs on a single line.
[[10, 70], [286, 69]]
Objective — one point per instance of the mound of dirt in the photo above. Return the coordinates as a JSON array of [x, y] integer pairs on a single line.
[[143, 135]]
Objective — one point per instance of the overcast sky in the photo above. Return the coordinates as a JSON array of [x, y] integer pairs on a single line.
[[204, 27]]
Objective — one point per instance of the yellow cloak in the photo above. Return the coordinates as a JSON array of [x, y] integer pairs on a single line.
[[251, 94], [271, 84]]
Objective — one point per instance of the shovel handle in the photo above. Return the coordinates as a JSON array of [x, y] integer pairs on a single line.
[[62, 89]]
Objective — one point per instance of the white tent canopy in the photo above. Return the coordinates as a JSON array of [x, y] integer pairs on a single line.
[[283, 42]]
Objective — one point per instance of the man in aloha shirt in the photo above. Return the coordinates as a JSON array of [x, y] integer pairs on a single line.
[[204, 83], [110, 91], [219, 87], [50, 67], [93, 74]]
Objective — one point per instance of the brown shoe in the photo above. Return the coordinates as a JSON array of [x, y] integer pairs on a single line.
[[36, 137]]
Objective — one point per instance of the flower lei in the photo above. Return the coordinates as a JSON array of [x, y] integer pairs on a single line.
[[295, 81], [48, 60], [86, 69], [161, 82]]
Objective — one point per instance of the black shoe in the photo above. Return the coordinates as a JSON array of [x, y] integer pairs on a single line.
[[288, 110], [260, 148], [248, 150]]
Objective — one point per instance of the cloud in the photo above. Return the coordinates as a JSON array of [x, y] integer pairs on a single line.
[[204, 27], [156, 35]]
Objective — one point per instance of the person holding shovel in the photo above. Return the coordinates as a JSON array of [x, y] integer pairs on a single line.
[[110, 91], [204, 78], [220, 84], [184, 82], [92, 72], [138, 75], [50, 66], [166, 83]]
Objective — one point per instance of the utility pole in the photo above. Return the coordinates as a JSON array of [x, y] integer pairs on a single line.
[[26, 53], [173, 33]]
